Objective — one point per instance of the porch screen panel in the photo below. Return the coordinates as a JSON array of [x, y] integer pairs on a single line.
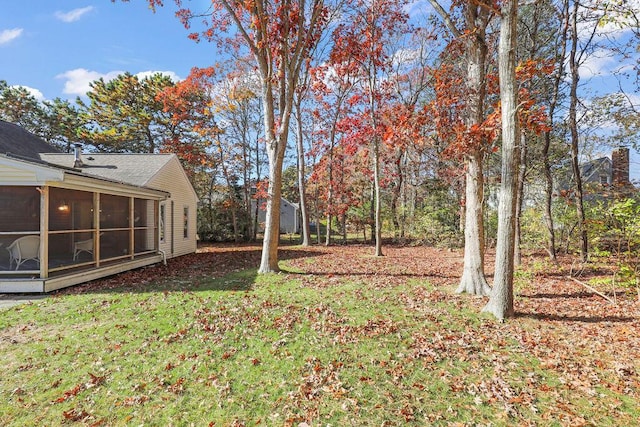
[[19, 218], [19, 209], [70, 210], [114, 226], [145, 226], [71, 227]]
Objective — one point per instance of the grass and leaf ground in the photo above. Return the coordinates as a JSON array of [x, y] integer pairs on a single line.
[[339, 338]]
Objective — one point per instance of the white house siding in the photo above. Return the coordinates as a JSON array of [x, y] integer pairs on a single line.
[[173, 179]]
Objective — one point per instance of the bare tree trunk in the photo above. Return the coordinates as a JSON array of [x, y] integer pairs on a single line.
[[517, 256], [476, 17], [304, 213], [259, 175], [269, 260], [557, 80], [376, 162], [378, 199], [396, 192], [329, 195], [548, 199], [372, 212], [473, 280], [501, 300], [573, 128], [276, 142]]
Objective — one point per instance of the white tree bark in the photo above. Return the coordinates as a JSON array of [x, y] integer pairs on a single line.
[[473, 281], [501, 300]]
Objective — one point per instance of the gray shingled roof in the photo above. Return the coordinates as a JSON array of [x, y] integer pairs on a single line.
[[136, 169], [17, 141]]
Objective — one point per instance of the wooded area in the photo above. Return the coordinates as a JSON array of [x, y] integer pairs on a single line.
[[469, 127]]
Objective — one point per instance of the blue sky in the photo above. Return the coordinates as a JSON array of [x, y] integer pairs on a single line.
[[57, 47]]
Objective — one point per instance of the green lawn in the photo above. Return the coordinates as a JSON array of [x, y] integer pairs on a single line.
[[284, 349]]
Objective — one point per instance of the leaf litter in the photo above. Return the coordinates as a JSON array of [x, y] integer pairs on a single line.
[[565, 345]]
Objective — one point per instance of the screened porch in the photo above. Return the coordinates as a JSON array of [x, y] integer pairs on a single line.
[[51, 231]]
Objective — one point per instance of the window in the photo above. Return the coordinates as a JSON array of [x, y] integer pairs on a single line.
[[163, 221], [604, 180], [186, 222]]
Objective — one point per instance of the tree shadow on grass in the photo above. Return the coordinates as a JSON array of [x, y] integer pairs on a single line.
[[572, 300], [212, 268], [577, 295], [580, 319], [419, 276]]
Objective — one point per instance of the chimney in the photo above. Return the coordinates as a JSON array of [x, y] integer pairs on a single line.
[[620, 166], [77, 156]]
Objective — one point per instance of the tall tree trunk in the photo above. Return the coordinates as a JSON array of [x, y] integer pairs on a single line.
[[232, 197], [304, 212], [329, 193], [473, 280], [372, 212], [246, 188], [517, 256], [318, 234], [476, 19], [573, 128], [269, 260], [276, 142], [256, 211], [501, 300], [378, 199], [376, 160], [548, 198], [396, 192]]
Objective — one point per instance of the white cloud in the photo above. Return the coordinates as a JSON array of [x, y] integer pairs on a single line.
[[173, 76], [418, 9], [73, 15], [405, 57], [77, 81], [7, 35], [600, 63], [617, 23]]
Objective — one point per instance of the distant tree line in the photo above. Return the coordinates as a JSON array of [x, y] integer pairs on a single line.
[[401, 127]]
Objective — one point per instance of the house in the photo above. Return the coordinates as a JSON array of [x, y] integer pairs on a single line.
[[289, 216], [602, 177], [605, 171], [70, 218]]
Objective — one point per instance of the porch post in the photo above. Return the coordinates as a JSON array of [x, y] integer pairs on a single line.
[[96, 227], [44, 232], [132, 224]]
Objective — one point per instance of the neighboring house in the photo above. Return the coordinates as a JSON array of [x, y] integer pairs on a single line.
[[602, 176], [597, 171], [70, 218], [289, 216]]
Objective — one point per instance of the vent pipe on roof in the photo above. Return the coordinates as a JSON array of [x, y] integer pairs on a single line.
[[77, 156]]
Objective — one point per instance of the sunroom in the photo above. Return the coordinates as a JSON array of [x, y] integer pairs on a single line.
[[60, 227]]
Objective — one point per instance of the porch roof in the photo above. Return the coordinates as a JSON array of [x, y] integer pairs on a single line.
[[131, 168], [45, 173]]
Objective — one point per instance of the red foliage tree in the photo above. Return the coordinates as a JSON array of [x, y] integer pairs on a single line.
[[360, 49], [278, 36]]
